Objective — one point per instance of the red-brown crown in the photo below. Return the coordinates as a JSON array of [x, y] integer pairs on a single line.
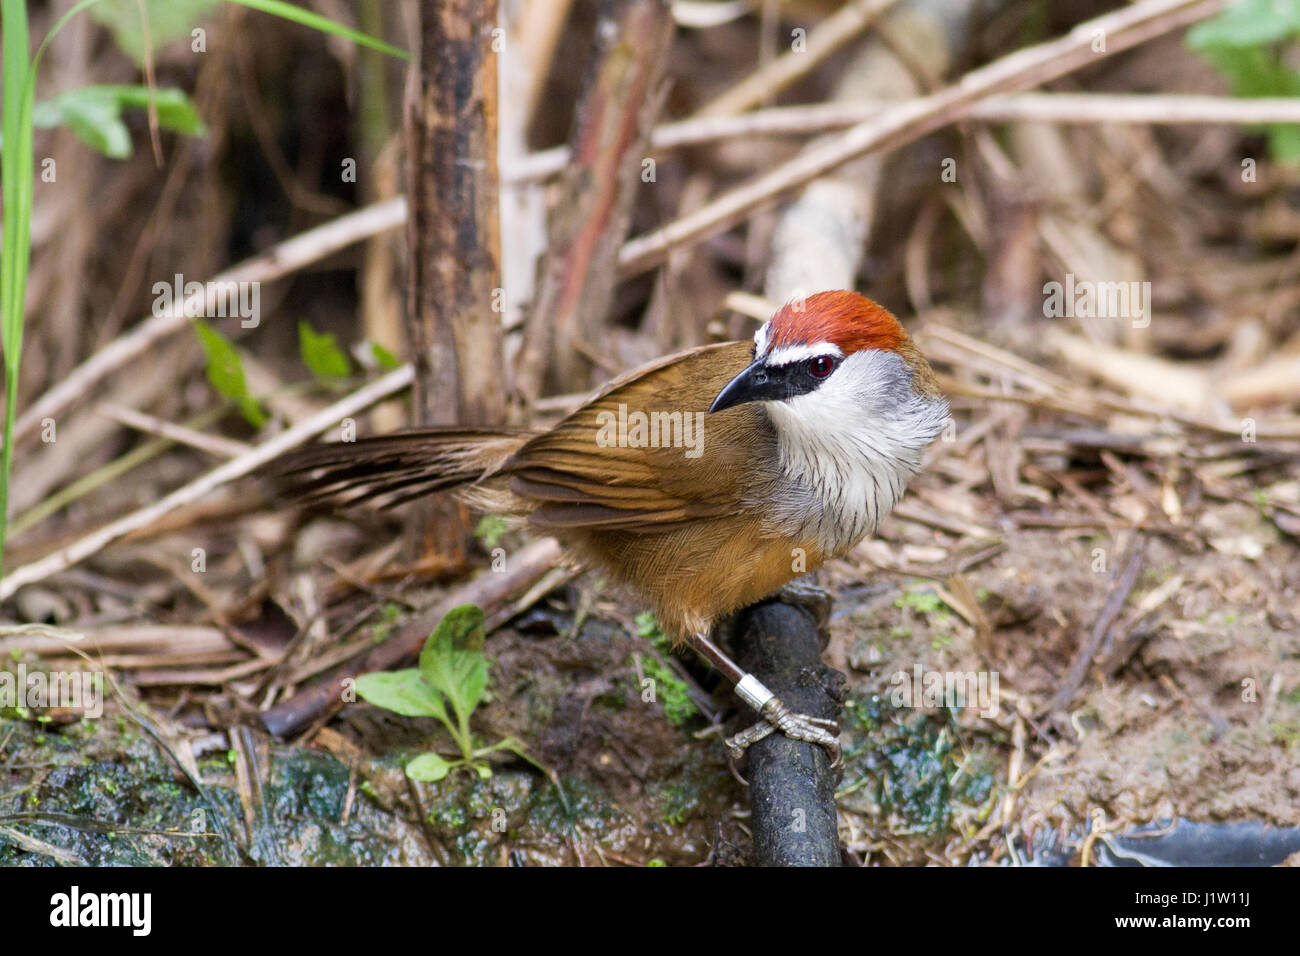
[[851, 321]]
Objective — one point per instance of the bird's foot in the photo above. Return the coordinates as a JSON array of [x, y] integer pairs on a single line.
[[813, 598], [777, 716]]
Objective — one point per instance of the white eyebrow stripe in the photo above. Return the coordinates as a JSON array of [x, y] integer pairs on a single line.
[[761, 338], [788, 354]]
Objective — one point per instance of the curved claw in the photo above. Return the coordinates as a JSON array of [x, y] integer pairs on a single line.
[[776, 716]]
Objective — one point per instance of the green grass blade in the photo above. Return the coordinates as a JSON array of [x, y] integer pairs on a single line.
[[317, 22], [16, 173]]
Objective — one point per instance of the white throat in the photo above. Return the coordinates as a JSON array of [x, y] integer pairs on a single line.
[[849, 447]]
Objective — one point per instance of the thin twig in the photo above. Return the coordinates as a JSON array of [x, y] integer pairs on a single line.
[[109, 471], [1115, 600], [1134, 108], [83, 548], [217, 445], [913, 119], [280, 260], [834, 32]]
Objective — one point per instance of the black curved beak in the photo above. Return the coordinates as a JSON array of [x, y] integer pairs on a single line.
[[757, 383]]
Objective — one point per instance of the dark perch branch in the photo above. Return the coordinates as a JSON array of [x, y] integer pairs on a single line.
[[791, 784]]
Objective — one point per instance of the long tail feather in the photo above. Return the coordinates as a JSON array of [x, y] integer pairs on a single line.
[[391, 469]]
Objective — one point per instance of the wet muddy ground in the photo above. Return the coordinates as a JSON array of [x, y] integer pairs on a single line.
[[1196, 717]]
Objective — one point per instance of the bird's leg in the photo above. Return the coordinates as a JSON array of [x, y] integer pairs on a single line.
[[776, 716]]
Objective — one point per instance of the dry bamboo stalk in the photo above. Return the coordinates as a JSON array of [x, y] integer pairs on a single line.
[[591, 214], [1274, 381], [834, 32], [909, 121], [1156, 109], [136, 637], [453, 224], [820, 239]]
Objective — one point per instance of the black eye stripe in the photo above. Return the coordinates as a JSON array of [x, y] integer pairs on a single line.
[[802, 363]]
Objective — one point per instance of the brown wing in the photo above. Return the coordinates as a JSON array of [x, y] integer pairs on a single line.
[[600, 467]]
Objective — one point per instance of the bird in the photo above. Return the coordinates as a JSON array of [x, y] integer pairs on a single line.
[[705, 481]]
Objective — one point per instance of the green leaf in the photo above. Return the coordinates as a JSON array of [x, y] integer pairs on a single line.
[[384, 358], [321, 353], [517, 748], [93, 120], [317, 22], [1259, 71], [226, 372], [460, 628], [176, 112], [404, 692], [490, 530], [473, 684], [429, 768], [168, 20], [225, 369], [16, 187], [484, 771], [94, 114], [1253, 71], [1284, 142], [1248, 23], [171, 19], [452, 660]]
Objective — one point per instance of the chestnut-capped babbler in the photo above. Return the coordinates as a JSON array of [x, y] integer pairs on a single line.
[[705, 481]]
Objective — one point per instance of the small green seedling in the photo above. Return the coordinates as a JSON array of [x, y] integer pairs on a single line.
[[449, 683], [490, 530], [452, 671]]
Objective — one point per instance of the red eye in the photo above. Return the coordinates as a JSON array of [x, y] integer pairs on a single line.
[[821, 366]]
